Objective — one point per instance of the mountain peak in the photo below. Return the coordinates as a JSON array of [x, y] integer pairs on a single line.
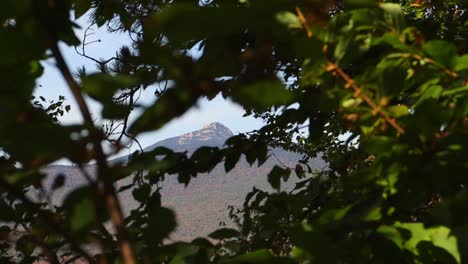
[[213, 131], [218, 128], [212, 134]]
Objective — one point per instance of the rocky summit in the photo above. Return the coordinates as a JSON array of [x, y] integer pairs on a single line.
[[213, 135]]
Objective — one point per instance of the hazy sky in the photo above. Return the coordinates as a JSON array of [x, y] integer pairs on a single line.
[[51, 85]]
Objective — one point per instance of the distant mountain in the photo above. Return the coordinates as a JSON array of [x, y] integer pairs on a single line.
[[203, 203], [212, 135]]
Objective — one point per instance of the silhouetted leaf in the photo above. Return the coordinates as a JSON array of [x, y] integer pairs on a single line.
[[81, 7], [102, 86], [161, 222], [276, 174], [232, 157], [141, 193], [260, 256], [224, 233], [59, 181]]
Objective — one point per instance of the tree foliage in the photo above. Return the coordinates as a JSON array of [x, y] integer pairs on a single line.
[[380, 87]]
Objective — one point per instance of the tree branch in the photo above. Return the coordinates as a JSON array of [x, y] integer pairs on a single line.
[[332, 67], [106, 189], [33, 207]]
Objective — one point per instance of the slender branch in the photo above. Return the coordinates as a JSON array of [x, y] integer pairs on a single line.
[[335, 69], [86, 175], [125, 121], [332, 67], [48, 252], [74, 87], [106, 189], [135, 140], [33, 207], [303, 21], [84, 44], [71, 260], [426, 60], [277, 159]]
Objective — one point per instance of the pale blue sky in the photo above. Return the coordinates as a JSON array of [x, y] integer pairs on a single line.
[[51, 85]]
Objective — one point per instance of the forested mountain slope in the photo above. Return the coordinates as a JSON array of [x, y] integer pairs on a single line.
[[203, 204]]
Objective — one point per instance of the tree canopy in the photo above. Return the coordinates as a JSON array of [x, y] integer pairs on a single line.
[[378, 89]]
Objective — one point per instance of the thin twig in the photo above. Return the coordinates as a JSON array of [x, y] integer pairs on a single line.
[[71, 260], [426, 60], [106, 189], [332, 67], [33, 207], [84, 44], [303, 21], [277, 159], [48, 252]]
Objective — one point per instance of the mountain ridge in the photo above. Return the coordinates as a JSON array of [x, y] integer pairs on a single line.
[[201, 205], [212, 135]]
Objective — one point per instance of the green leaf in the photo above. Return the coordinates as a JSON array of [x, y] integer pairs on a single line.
[[276, 174], [428, 117], [430, 92], [102, 87], [378, 144], [392, 234], [442, 237], [17, 139], [172, 103], [392, 76], [410, 235], [461, 63], [177, 21], [393, 15], [80, 208], [317, 244], [224, 233], [360, 3], [333, 215], [397, 110], [393, 40], [288, 19], [441, 51], [263, 94], [342, 47], [456, 91]]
